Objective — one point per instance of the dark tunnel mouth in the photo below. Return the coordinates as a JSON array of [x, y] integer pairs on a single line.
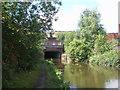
[[52, 55]]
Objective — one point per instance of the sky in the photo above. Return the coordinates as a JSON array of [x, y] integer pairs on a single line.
[[70, 11]]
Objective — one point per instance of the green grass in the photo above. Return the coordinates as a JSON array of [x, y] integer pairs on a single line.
[[109, 58], [25, 79], [53, 76], [28, 79]]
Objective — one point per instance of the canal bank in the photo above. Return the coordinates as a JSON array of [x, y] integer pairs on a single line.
[[52, 76], [85, 75], [44, 75], [77, 75]]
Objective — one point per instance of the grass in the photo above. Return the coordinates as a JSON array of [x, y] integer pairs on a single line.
[[25, 79], [109, 58], [28, 79], [53, 77]]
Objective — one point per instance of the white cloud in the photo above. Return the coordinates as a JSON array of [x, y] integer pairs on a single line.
[[109, 11], [64, 21], [68, 19]]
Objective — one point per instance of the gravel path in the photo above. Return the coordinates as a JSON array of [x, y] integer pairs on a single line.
[[42, 78]]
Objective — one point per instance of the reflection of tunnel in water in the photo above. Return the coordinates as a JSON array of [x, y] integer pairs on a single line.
[[54, 55]]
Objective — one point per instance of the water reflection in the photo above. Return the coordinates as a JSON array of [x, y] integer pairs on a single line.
[[84, 75], [112, 83]]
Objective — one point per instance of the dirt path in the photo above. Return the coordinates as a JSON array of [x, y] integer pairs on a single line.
[[42, 78]]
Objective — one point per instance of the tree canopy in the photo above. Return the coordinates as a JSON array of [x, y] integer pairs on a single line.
[[23, 33], [80, 44]]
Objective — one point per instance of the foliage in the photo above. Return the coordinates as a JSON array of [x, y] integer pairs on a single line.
[[53, 80], [109, 58], [101, 45], [23, 30], [90, 22], [78, 50], [90, 30], [90, 27], [61, 36], [113, 44], [66, 38], [24, 79], [118, 41], [69, 36], [90, 41], [104, 54]]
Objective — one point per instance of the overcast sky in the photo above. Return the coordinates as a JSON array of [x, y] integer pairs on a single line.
[[70, 11]]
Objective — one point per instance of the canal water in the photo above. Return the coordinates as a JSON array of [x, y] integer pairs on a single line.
[[81, 75]]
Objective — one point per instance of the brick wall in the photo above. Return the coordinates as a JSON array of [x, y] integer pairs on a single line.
[[111, 36], [53, 42]]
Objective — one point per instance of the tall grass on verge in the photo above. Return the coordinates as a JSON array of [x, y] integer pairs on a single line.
[[24, 79], [109, 58], [53, 76]]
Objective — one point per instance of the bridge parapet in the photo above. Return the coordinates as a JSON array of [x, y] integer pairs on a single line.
[[53, 49], [54, 46]]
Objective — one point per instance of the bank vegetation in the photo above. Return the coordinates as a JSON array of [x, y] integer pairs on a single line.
[[23, 33], [89, 43]]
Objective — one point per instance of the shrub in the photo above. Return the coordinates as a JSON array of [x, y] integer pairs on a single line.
[[109, 58], [79, 50]]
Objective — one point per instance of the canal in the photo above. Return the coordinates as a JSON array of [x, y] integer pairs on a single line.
[[81, 75]]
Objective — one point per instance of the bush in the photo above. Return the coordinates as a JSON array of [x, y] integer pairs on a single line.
[[109, 58], [54, 79], [102, 45], [79, 50], [24, 79]]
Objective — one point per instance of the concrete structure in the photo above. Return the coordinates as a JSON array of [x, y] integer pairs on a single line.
[[53, 49]]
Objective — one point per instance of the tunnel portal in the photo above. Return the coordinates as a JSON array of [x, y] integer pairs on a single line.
[[52, 55]]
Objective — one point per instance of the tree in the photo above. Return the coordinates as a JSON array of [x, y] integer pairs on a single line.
[[78, 50], [61, 36], [66, 38], [90, 26], [80, 44], [23, 30], [101, 45]]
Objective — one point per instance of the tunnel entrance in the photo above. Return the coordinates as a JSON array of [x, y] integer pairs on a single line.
[[53, 55]]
